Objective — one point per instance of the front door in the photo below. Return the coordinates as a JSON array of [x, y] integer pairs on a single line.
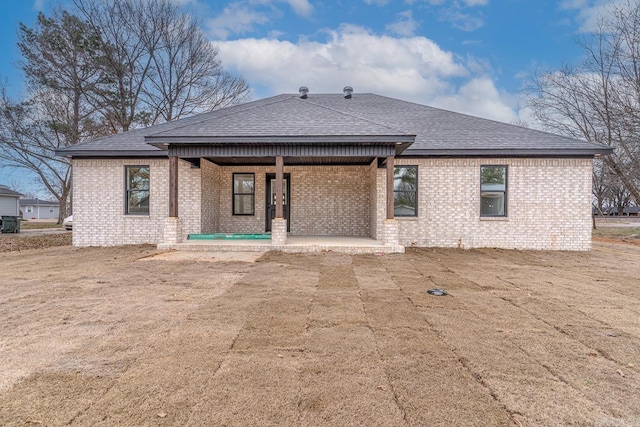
[[271, 200]]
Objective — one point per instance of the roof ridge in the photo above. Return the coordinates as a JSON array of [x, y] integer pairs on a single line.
[[404, 132]]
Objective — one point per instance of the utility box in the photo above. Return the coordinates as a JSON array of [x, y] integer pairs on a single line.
[[10, 224]]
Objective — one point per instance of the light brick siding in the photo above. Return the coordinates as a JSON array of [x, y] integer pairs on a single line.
[[210, 196], [325, 200], [374, 198], [330, 201], [549, 205], [99, 202]]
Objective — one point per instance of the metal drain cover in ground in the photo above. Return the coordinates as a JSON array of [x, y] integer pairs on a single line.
[[437, 292]]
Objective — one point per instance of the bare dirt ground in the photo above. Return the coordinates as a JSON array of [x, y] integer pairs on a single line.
[[132, 336]]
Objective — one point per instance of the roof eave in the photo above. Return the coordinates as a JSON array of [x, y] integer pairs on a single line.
[[516, 152], [163, 142], [111, 153]]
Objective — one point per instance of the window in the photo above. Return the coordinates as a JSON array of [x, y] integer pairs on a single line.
[[243, 193], [29, 209], [493, 191], [405, 191], [137, 197]]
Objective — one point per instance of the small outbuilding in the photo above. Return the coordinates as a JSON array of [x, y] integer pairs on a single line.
[[9, 201], [39, 209]]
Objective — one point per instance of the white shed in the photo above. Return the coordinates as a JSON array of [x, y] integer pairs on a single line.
[[9, 201]]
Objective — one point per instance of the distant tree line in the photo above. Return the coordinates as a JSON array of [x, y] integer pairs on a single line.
[[599, 100], [104, 67]]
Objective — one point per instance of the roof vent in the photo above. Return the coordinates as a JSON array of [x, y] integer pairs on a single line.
[[304, 91], [348, 90]]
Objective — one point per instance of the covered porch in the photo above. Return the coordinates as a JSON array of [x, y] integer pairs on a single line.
[[282, 159]]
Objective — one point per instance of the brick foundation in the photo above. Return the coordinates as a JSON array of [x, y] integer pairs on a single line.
[[172, 232], [390, 232], [278, 231]]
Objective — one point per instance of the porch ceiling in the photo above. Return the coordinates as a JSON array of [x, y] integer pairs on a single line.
[[292, 161]]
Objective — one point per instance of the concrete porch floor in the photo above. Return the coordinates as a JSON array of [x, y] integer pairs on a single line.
[[295, 244]]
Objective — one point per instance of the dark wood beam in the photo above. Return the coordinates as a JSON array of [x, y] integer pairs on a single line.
[[279, 191], [173, 186], [390, 165]]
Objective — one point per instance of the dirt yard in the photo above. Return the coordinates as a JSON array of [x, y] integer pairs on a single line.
[[132, 336]]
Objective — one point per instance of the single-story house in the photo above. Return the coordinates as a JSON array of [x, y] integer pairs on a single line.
[[9, 201], [346, 164], [39, 209], [613, 211]]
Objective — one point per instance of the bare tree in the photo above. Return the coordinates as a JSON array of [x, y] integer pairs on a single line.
[[601, 186], [104, 68], [57, 63], [599, 100], [160, 65]]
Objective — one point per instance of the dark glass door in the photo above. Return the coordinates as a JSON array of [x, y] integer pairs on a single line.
[[271, 200]]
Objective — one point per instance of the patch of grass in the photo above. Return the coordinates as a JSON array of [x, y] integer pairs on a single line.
[[617, 232], [29, 225]]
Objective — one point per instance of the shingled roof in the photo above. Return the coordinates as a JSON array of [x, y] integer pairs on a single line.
[[6, 191], [330, 117]]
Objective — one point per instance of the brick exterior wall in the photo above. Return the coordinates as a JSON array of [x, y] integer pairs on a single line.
[[549, 203], [345, 189], [374, 199], [330, 201], [210, 197], [99, 202]]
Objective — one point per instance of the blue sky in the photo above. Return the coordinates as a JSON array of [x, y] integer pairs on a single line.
[[470, 56]]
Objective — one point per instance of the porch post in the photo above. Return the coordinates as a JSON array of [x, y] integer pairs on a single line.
[[390, 227], [173, 186], [390, 165], [279, 224], [172, 233], [279, 193]]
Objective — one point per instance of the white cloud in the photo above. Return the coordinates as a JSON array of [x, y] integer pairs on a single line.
[[410, 68], [235, 19], [301, 7], [590, 12], [39, 5], [404, 25], [573, 4], [460, 20], [479, 97], [475, 2], [244, 15], [184, 2], [376, 2]]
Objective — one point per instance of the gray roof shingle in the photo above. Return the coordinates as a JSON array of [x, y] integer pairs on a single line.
[[438, 132], [6, 191]]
